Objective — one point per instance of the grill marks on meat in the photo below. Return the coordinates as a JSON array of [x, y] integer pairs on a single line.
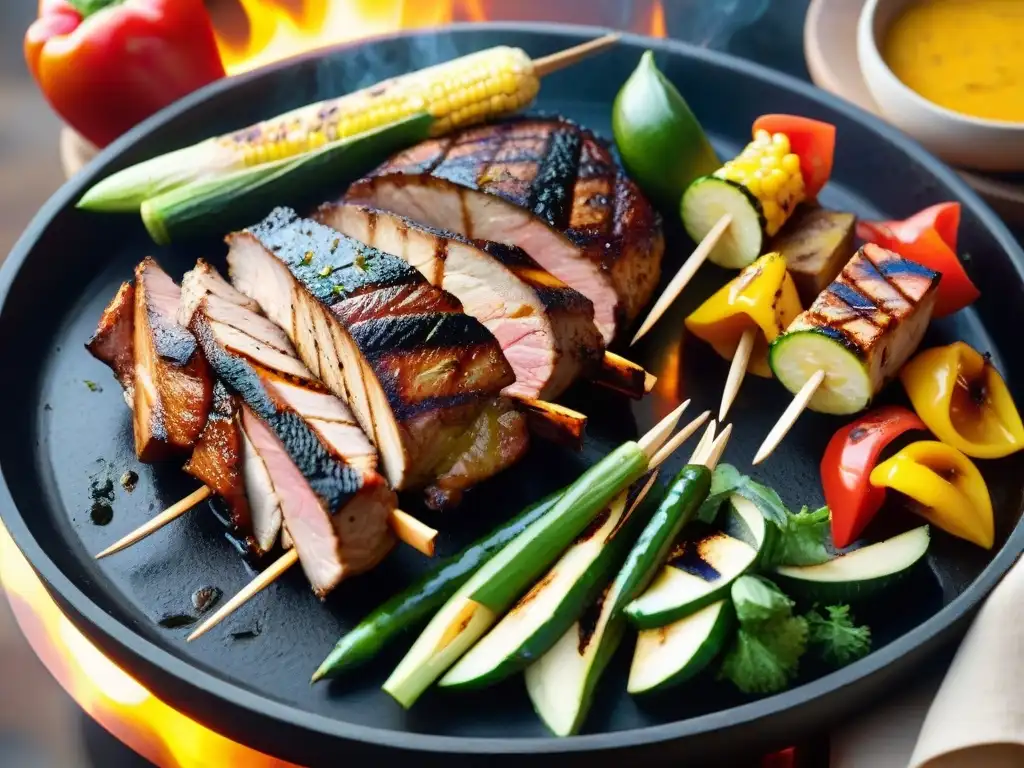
[[173, 387], [113, 341], [217, 462], [336, 513], [546, 329], [546, 185], [416, 372]]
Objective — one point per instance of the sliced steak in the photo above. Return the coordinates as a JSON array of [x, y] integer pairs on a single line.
[[202, 281], [546, 185], [217, 461], [545, 328], [336, 513], [173, 387], [415, 370], [113, 342]]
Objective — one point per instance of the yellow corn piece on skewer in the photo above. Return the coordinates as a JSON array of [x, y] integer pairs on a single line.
[[457, 93], [771, 173]]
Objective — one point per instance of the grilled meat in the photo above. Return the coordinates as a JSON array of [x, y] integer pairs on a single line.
[[217, 462], [113, 343], [336, 512], [417, 373], [816, 244], [173, 387], [545, 328], [202, 281], [545, 185]]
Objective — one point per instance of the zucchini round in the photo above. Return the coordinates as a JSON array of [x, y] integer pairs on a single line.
[[796, 356], [709, 198]]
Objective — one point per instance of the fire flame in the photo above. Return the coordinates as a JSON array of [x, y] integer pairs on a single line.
[[271, 30], [107, 693]]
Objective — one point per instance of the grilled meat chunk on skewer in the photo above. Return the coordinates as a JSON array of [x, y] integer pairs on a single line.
[[166, 381], [546, 185], [421, 377], [217, 461], [113, 342], [336, 513], [545, 328]]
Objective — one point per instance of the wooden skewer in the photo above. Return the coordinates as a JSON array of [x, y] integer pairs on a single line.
[[684, 275], [625, 376], [702, 445], [643, 492], [253, 588], [789, 416], [413, 532], [737, 371], [554, 422], [173, 512], [678, 439], [658, 434], [545, 65], [717, 448]]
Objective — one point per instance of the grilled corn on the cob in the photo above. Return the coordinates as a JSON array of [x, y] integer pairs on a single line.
[[771, 173], [457, 93]]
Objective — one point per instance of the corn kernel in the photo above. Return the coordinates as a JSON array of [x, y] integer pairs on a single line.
[[781, 140], [791, 163], [768, 162], [753, 185], [762, 138]]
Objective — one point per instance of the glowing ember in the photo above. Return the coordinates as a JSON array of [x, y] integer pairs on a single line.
[[265, 31], [113, 698]]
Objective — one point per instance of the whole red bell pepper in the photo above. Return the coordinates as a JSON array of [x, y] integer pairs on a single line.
[[846, 468], [106, 65], [928, 238]]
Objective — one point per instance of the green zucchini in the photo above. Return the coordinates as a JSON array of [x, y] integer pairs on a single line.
[[413, 604], [672, 654], [225, 202], [796, 356], [475, 606], [856, 575], [544, 613], [562, 682], [709, 198], [703, 568]]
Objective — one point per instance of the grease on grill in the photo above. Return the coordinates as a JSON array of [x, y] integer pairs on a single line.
[[176, 620], [204, 598]]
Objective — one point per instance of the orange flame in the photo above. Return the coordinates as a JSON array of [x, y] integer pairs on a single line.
[[272, 30], [113, 698]]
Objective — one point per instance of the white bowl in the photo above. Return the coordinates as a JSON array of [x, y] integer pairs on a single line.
[[970, 142]]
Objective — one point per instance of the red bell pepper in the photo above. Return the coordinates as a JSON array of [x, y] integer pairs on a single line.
[[929, 237], [813, 141], [106, 65], [846, 468]]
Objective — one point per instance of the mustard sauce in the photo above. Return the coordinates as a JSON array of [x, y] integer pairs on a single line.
[[964, 55]]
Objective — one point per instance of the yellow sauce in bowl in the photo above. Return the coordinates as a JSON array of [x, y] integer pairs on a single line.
[[964, 55]]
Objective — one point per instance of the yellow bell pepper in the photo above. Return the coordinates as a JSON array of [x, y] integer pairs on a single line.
[[964, 401], [947, 489], [762, 296]]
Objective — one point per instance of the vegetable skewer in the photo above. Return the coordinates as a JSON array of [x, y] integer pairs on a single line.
[[491, 83], [649, 445], [854, 338]]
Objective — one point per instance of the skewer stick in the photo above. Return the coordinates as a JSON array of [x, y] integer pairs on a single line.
[[625, 376], [678, 439], [413, 532], [704, 443], [684, 275], [643, 492], [173, 512], [253, 588], [737, 371], [658, 434], [717, 448], [789, 416], [555, 422], [545, 65]]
